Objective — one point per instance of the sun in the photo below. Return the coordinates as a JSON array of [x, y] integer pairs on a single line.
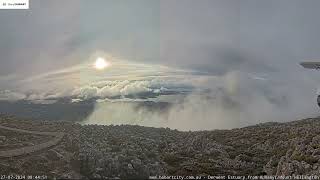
[[101, 63]]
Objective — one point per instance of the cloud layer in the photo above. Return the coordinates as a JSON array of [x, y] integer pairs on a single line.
[[220, 64], [185, 100], [122, 79], [235, 100]]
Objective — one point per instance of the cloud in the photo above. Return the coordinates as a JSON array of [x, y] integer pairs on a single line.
[[122, 88], [234, 100], [38, 39], [239, 60], [122, 79], [135, 88], [243, 101], [7, 95], [85, 92]]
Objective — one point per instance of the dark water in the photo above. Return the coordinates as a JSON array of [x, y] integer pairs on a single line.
[[58, 111]]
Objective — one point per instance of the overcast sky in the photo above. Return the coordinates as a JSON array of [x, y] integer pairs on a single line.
[[211, 35], [250, 49]]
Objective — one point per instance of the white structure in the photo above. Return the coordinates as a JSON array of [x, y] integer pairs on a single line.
[[313, 65]]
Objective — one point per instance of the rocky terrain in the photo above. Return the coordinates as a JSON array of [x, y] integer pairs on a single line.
[[126, 151]]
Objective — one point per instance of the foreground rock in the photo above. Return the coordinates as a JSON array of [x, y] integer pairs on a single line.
[[125, 151]]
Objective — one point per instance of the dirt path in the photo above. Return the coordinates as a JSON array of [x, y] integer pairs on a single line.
[[30, 149]]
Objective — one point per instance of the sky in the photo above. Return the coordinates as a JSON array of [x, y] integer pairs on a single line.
[[244, 55]]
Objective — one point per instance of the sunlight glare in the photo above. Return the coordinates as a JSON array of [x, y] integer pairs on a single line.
[[101, 63]]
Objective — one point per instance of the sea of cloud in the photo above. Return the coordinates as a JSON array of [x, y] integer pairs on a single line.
[[235, 100], [190, 100]]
